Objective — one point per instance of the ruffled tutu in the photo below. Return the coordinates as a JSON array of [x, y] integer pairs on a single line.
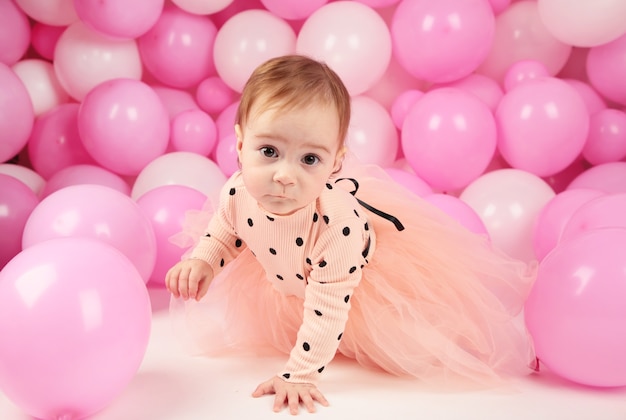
[[436, 301]]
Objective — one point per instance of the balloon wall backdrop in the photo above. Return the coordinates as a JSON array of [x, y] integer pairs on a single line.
[[116, 118]]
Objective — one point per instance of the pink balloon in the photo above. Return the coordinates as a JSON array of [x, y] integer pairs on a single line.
[[448, 137], [193, 131], [98, 212], [213, 95], [178, 49], [410, 181], [522, 71], [84, 58], [395, 81], [293, 10], [542, 126], [44, 39], [576, 65], [607, 137], [508, 202], [79, 318], [17, 202], [175, 100], [233, 9], [372, 136], [85, 174], [28, 176], [16, 114], [458, 210], [225, 121], [123, 125], [560, 181], [51, 12], [15, 33], [119, 18], [247, 40], [607, 177], [553, 217], [521, 35], [484, 88], [55, 143], [604, 211], [226, 155], [606, 65], [378, 3], [592, 98], [575, 311], [349, 37], [165, 207], [444, 40], [402, 104]]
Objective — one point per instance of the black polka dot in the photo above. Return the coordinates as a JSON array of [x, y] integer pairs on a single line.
[[322, 264], [346, 231], [279, 277], [318, 313], [352, 270], [238, 243], [299, 241], [315, 217], [356, 213], [272, 251], [222, 262], [208, 235], [330, 187], [250, 223], [299, 276], [286, 375], [346, 298], [306, 346], [320, 370], [326, 219], [339, 337], [308, 261], [271, 219], [367, 226], [232, 191]]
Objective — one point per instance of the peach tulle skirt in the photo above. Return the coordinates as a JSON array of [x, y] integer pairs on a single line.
[[436, 302]]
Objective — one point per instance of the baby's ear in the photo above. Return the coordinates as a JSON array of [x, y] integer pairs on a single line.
[[341, 154]]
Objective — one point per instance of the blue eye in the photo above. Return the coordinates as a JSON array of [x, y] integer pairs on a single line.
[[268, 151], [310, 160]]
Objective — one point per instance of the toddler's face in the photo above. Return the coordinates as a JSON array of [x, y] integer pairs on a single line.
[[287, 156]]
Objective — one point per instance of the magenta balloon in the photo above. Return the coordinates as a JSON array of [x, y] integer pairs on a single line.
[[193, 131], [293, 10], [78, 316], [44, 39], [178, 49], [17, 201], [441, 41], [449, 137], [55, 143], [123, 125], [98, 212], [15, 33], [542, 126], [165, 207], [213, 95], [16, 114], [606, 65], [575, 311]]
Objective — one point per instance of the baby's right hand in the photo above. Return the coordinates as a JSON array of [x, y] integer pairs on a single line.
[[189, 279]]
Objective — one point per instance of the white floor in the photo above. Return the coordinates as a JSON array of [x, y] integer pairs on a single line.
[[171, 385]]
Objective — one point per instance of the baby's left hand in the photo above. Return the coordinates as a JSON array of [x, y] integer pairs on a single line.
[[291, 395]]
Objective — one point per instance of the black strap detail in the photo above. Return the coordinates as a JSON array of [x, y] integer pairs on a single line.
[[374, 210]]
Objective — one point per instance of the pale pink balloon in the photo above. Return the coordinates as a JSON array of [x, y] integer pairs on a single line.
[[50, 12], [592, 98], [293, 10], [181, 168], [444, 40], [178, 49], [123, 125], [193, 131], [175, 100], [523, 71], [542, 126], [372, 136], [553, 217], [606, 66], [41, 83], [165, 207], [81, 174], [604, 211], [607, 137], [410, 181], [521, 35], [226, 154], [449, 138], [225, 121], [84, 58], [395, 81], [44, 39], [349, 37], [584, 23], [402, 104], [203, 7], [28, 176], [377, 4], [97, 212], [16, 114], [213, 95], [459, 211], [119, 18], [79, 318], [508, 202], [247, 40], [55, 142], [15, 33], [607, 177]]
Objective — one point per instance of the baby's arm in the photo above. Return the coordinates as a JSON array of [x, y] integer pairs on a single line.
[[189, 279]]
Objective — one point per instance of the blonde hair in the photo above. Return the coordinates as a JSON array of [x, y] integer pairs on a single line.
[[294, 81]]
